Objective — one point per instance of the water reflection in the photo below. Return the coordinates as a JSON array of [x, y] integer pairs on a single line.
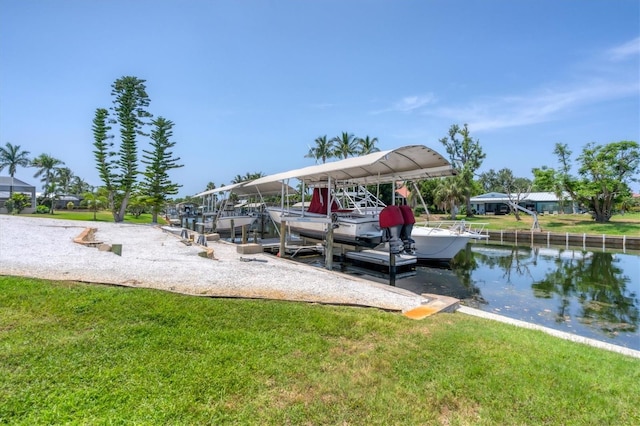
[[588, 293], [594, 294]]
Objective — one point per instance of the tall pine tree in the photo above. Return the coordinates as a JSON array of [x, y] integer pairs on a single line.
[[103, 152], [129, 110], [156, 185]]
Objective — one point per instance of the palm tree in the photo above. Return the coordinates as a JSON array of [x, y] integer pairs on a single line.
[[449, 191], [79, 186], [345, 145], [246, 177], [367, 145], [322, 150], [253, 176], [12, 157], [95, 201], [46, 165], [64, 176]]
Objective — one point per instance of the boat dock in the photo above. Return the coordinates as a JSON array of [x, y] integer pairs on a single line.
[[366, 261], [292, 247], [377, 257], [378, 263]]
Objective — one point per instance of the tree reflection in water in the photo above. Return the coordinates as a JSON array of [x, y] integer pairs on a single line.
[[607, 296], [600, 285]]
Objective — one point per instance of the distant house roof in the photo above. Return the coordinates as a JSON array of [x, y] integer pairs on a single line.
[[403, 191], [497, 197], [17, 184]]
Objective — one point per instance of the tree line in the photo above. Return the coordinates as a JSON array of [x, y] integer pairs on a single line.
[[602, 183], [125, 186], [605, 173], [56, 179]]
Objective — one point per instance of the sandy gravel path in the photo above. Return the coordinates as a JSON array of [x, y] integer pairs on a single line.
[[154, 258]]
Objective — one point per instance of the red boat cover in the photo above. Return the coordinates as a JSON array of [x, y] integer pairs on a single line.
[[407, 214], [391, 216], [319, 201]]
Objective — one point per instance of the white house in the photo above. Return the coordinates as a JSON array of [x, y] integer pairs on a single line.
[[541, 202]]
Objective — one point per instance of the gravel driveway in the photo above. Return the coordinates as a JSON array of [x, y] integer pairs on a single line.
[[154, 258]]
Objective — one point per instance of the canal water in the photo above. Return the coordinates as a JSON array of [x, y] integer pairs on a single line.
[[589, 293], [594, 294]]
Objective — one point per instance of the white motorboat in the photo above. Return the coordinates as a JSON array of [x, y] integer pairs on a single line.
[[220, 210], [340, 200], [429, 243], [353, 216], [231, 204]]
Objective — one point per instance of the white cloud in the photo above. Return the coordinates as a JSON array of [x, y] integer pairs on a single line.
[[536, 107], [409, 104], [322, 105], [625, 50], [599, 83]]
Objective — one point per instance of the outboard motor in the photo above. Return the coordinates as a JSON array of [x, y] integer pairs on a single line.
[[405, 233], [391, 221]]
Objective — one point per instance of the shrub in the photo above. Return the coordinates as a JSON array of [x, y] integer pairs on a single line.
[[17, 203], [9, 205], [41, 209], [70, 205]]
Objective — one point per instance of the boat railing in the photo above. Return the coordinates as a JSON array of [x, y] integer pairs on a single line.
[[360, 201], [460, 226]]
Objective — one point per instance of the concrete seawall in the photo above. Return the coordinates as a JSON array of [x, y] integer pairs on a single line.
[[620, 242]]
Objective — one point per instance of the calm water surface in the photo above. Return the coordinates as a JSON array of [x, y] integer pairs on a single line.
[[594, 294], [590, 293]]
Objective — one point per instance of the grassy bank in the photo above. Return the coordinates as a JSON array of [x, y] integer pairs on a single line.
[[87, 354], [628, 224], [101, 216]]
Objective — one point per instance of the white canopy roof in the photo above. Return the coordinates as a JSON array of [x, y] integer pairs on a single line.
[[242, 189], [406, 163], [221, 189]]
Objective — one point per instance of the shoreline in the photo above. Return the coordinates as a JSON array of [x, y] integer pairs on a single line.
[[155, 258]]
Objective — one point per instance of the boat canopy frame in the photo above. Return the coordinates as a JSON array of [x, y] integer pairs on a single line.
[[413, 162]]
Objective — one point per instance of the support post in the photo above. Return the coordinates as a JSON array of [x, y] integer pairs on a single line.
[[283, 238], [392, 268], [233, 231], [328, 253]]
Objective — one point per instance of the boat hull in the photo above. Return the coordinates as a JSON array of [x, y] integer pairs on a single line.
[[361, 230], [431, 244], [435, 244], [223, 224]]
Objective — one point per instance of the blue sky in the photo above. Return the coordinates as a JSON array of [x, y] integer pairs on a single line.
[[251, 84]]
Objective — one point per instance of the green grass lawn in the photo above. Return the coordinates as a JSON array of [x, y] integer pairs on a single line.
[[101, 216], [628, 224], [74, 353]]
